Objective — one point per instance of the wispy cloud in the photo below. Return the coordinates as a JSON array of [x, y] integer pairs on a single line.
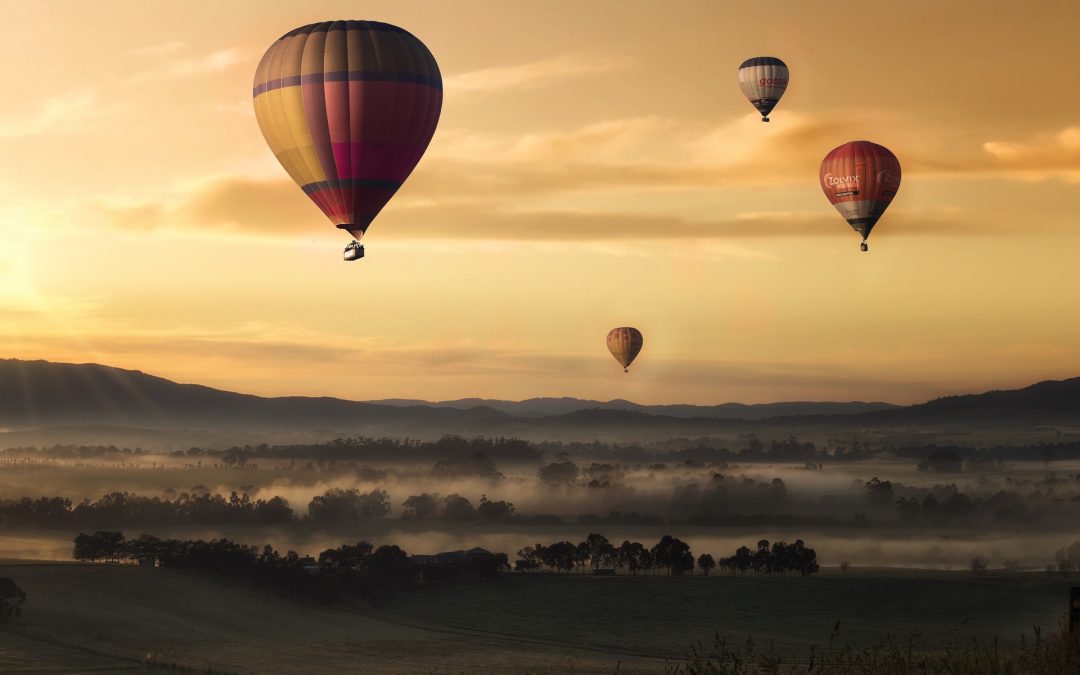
[[1043, 156], [158, 49], [63, 113], [530, 75], [578, 184], [214, 62]]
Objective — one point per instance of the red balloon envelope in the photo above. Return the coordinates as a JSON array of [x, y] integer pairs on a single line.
[[860, 179]]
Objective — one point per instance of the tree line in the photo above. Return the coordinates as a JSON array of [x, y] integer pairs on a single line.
[[352, 570], [377, 449], [122, 509], [670, 556]]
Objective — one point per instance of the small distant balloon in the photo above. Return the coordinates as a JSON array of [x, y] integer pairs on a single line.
[[860, 179], [763, 80], [624, 343]]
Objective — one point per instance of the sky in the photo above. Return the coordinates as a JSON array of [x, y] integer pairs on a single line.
[[595, 166]]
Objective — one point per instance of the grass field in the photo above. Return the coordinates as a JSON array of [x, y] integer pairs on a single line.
[[97, 618], [660, 615], [82, 618]]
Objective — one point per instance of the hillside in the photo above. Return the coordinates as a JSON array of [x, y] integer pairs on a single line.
[[1053, 402], [82, 618], [42, 395], [542, 407]]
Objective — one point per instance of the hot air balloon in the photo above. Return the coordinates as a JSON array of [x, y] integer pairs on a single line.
[[624, 344], [763, 80], [348, 108], [860, 179]]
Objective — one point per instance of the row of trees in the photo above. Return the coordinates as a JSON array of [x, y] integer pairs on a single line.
[[125, 509], [780, 558], [335, 506], [1051, 499], [73, 452], [428, 506], [379, 449], [351, 569], [670, 556]]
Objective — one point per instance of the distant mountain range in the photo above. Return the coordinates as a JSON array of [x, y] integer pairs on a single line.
[[41, 395], [546, 407]]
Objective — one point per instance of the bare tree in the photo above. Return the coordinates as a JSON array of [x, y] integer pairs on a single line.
[[979, 564]]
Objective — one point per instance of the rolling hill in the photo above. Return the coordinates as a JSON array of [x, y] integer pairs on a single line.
[[41, 394]]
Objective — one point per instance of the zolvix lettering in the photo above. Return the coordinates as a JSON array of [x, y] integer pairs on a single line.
[[890, 181], [772, 82], [849, 182]]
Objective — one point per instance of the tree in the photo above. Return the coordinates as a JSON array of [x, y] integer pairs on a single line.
[[143, 550], [744, 559], [762, 557], [101, 545], [11, 599], [421, 507], [528, 560], [600, 551], [979, 564], [340, 506], [706, 563], [673, 555], [390, 565], [879, 492], [908, 510], [494, 511], [561, 556], [645, 560], [559, 472], [456, 507], [476, 465], [347, 557], [629, 555]]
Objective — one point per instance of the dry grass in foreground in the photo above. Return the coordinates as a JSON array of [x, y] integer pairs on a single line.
[[1053, 654]]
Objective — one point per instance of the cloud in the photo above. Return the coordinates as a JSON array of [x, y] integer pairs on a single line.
[[652, 154], [528, 75], [1043, 156], [214, 62], [229, 203], [277, 209], [59, 114], [158, 49], [591, 183]]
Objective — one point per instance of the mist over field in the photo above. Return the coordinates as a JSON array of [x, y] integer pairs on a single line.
[[945, 505]]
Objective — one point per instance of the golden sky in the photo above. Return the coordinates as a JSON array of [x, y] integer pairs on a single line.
[[595, 166]]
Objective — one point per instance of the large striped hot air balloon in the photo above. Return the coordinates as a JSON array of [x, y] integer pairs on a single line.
[[763, 80], [624, 344], [348, 108], [860, 179]]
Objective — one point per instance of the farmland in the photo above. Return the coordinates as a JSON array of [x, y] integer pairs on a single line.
[[116, 618]]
